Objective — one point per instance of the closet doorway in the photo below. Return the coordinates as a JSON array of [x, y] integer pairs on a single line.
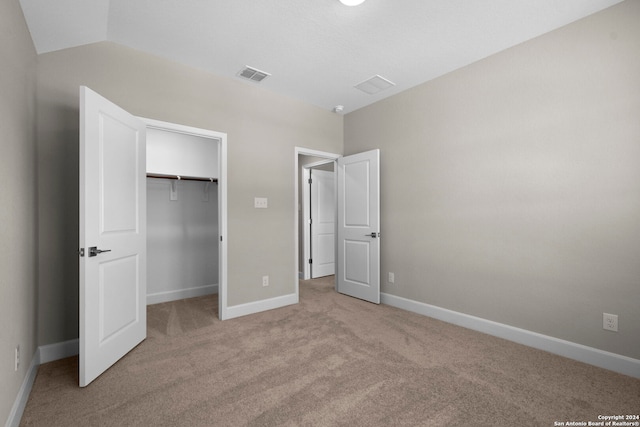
[[186, 213]]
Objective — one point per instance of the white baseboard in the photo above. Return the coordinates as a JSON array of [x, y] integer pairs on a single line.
[[258, 306], [23, 394], [160, 297], [593, 356], [57, 351]]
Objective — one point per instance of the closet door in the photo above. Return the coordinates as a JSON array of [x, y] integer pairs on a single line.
[[112, 234]]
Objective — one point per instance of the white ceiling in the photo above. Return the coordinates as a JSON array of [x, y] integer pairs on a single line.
[[315, 50]]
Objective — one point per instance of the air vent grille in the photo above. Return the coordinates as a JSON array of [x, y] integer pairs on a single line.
[[253, 74], [374, 85]]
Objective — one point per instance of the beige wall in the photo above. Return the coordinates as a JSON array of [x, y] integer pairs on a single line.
[[511, 187], [263, 129], [18, 248]]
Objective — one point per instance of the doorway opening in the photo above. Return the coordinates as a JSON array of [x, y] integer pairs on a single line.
[[305, 160], [357, 221], [318, 216], [186, 213]]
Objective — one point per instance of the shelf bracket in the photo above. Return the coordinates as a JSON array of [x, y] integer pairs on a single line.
[[174, 190]]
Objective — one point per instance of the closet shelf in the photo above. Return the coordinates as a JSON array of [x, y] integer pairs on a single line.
[[181, 177]]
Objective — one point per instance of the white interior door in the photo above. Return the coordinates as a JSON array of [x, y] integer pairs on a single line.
[[323, 223], [112, 220], [359, 226]]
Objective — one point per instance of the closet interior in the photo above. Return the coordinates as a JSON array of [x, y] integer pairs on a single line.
[[182, 215]]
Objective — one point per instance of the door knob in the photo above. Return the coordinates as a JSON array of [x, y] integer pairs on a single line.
[[374, 235], [93, 251]]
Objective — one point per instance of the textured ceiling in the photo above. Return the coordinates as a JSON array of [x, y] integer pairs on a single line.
[[315, 50]]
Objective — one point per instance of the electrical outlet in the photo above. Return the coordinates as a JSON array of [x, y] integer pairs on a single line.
[[392, 278], [610, 322], [260, 202], [265, 280], [17, 359]]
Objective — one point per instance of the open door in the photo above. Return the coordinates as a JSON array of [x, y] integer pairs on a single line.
[[323, 223], [112, 234], [359, 226]]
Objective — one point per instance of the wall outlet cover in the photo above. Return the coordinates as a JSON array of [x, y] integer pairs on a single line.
[[610, 322]]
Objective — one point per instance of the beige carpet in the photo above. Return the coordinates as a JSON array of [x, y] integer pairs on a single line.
[[330, 360]]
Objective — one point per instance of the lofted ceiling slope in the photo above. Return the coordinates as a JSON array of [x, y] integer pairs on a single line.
[[314, 50]]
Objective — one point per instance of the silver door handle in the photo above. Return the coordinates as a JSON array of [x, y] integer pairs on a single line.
[[93, 251], [374, 235]]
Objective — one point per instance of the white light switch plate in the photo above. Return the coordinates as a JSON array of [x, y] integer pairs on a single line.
[[260, 203]]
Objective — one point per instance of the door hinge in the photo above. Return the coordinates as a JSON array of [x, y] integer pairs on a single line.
[[310, 180], [81, 251], [221, 238], [310, 261]]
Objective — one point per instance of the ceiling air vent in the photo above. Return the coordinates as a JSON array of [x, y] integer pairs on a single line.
[[253, 74], [374, 85]]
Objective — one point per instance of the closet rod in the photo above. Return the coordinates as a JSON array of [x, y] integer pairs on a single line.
[[181, 178]]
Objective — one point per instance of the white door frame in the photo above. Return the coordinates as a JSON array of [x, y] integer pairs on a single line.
[[222, 199], [305, 152], [306, 213]]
